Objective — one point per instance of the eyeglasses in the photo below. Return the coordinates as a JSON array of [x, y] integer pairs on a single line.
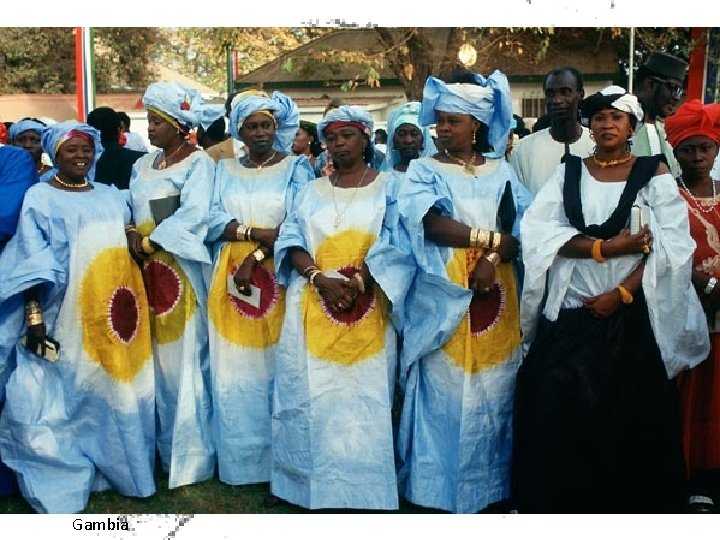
[[676, 90]]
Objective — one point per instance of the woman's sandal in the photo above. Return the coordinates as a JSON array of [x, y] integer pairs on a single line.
[[700, 504]]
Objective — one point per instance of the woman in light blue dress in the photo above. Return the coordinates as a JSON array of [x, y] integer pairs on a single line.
[[80, 409], [246, 305], [335, 368], [461, 331], [170, 190]]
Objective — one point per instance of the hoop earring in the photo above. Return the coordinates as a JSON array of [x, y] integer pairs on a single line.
[[592, 136]]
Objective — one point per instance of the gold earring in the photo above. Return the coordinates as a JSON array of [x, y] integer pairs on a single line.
[[592, 136]]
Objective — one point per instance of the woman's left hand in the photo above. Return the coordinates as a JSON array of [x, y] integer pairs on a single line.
[[483, 277], [243, 275], [508, 249], [603, 305]]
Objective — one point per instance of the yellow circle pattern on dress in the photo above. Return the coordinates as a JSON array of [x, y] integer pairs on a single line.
[[170, 295], [476, 346], [232, 324], [115, 315], [328, 339]]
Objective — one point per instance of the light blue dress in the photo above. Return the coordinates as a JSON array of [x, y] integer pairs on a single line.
[[335, 372], [243, 337], [176, 278], [87, 419], [460, 353]]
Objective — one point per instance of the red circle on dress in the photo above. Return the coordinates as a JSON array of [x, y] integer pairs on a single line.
[[264, 280], [124, 314], [363, 304], [485, 309], [163, 286]]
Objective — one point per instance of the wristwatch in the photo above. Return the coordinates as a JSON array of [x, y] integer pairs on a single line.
[[259, 255]]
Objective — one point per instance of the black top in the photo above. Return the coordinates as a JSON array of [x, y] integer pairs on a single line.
[[115, 165]]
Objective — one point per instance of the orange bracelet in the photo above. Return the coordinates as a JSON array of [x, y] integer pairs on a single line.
[[625, 296], [596, 251]]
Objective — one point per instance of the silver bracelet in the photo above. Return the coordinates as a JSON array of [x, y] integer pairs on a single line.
[[710, 287]]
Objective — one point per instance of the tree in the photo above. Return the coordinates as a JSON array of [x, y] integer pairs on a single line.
[[42, 60]]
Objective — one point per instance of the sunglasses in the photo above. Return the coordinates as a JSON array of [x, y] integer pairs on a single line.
[[676, 90]]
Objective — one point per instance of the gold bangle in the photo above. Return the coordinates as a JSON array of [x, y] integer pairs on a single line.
[[240, 232], [472, 242], [248, 234], [497, 238], [32, 305], [484, 238], [625, 296], [596, 251], [493, 257], [360, 282], [130, 227], [313, 275], [34, 318], [308, 270], [147, 246]]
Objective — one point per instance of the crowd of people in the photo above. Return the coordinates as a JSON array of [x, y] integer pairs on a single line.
[[358, 317]]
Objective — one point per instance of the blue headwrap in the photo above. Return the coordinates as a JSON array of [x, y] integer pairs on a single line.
[[25, 125], [346, 113], [183, 105], [283, 109], [406, 114], [54, 135], [488, 100]]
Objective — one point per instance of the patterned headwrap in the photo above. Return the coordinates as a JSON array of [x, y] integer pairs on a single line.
[[343, 116], [278, 106], [181, 106], [25, 125], [611, 97], [55, 135], [693, 118], [488, 100], [406, 114]]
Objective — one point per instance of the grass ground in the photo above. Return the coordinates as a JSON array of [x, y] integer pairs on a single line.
[[210, 497]]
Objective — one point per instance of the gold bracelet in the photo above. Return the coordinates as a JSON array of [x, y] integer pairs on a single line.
[[32, 305], [34, 318], [472, 242], [360, 282], [248, 234], [484, 238], [130, 227], [596, 251], [497, 238], [308, 270], [147, 246], [313, 275], [240, 232], [493, 257], [625, 296]]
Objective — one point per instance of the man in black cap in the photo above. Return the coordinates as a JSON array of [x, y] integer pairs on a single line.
[[115, 164], [658, 87]]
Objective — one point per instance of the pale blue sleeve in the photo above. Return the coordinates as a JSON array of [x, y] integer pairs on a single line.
[[183, 233], [302, 175], [291, 236], [31, 258], [218, 218]]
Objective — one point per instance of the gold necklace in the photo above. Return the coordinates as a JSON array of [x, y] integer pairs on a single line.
[[338, 214], [612, 162], [72, 185], [469, 165], [259, 166], [164, 162]]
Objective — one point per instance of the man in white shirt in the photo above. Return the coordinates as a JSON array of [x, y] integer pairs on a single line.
[[658, 87], [536, 156]]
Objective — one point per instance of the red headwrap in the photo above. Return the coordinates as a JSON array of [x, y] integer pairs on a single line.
[[693, 118], [344, 123]]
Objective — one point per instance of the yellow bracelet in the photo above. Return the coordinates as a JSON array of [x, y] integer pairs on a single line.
[[625, 296], [596, 251], [147, 246]]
